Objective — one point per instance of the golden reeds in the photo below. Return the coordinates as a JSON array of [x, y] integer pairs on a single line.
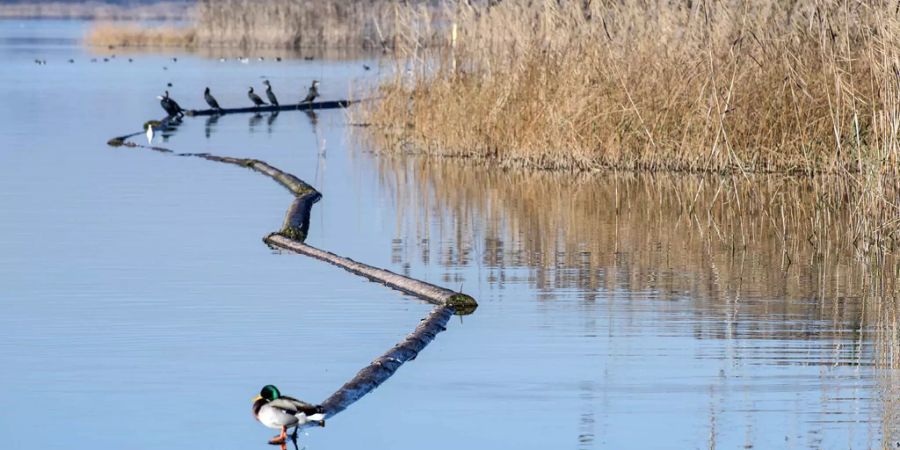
[[289, 24], [132, 35], [730, 86], [97, 10]]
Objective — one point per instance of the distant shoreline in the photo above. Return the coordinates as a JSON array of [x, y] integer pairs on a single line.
[[98, 10]]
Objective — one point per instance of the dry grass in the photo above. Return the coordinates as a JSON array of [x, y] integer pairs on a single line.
[[287, 24], [97, 10], [131, 35], [730, 86]]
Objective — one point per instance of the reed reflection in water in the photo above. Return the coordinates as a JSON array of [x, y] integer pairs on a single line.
[[769, 260]]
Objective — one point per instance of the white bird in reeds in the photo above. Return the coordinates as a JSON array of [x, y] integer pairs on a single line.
[[149, 134]]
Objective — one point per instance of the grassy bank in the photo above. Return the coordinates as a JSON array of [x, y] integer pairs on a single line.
[[286, 24]]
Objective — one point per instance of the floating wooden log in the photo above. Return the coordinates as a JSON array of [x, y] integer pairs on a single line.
[[379, 370], [425, 291], [291, 237], [304, 106]]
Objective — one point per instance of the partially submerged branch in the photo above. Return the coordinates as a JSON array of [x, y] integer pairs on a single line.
[[380, 369]]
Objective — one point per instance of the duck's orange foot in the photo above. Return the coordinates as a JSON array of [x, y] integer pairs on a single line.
[[278, 440]]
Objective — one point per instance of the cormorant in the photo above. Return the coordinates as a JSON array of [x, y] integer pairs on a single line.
[[270, 94], [171, 106], [366, 67], [313, 92], [255, 98], [71, 61], [278, 58], [210, 100]]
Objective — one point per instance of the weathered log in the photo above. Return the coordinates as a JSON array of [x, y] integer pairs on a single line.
[[291, 237], [379, 370], [297, 186], [296, 220], [425, 291], [304, 106]]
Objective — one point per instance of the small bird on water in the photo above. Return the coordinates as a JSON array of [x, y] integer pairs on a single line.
[[172, 108], [255, 98], [279, 411], [312, 93], [210, 100], [270, 94]]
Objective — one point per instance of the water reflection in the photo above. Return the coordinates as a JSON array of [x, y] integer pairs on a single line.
[[313, 117], [254, 121], [270, 121], [749, 264], [210, 124]]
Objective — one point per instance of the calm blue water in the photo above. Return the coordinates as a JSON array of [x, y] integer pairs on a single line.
[[139, 308]]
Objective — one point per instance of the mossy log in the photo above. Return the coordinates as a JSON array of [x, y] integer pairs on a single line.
[[379, 370], [304, 106], [425, 291]]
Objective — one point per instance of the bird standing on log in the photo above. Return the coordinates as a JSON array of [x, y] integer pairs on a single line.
[[255, 98], [211, 101], [313, 92], [278, 411], [270, 94], [172, 108]]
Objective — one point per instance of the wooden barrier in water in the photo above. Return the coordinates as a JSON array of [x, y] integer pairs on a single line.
[[292, 236], [303, 106]]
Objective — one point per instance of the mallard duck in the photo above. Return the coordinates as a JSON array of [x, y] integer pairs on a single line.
[[279, 411]]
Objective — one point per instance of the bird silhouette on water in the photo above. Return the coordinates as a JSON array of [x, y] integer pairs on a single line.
[[210, 100], [272, 99], [255, 98], [313, 92], [172, 108]]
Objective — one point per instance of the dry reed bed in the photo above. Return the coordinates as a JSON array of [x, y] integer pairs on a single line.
[[285, 24], [97, 10], [731, 86]]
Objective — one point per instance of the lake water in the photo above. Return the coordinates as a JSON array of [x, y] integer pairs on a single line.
[[139, 308]]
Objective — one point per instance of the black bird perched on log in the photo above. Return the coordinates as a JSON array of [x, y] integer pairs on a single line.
[[313, 92], [210, 100], [255, 98], [270, 94], [171, 106]]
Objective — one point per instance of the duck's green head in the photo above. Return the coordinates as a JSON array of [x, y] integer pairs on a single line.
[[269, 392]]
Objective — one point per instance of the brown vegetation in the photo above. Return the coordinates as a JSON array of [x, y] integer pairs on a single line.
[[732, 86], [97, 10], [132, 35], [285, 24]]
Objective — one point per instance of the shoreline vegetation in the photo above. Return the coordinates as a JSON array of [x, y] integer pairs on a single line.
[[280, 24], [97, 10], [809, 89], [736, 87]]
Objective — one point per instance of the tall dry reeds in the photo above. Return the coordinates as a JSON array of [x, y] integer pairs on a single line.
[[733, 85], [290, 24], [133, 35], [727, 86], [97, 10]]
